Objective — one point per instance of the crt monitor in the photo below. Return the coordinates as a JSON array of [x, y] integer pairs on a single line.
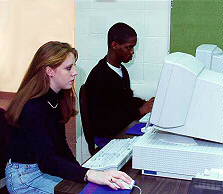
[[189, 99]]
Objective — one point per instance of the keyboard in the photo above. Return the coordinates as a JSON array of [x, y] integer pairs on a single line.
[[113, 156]]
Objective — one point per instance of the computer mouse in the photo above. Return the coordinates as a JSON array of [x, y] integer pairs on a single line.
[[126, 185], [143, 129], [146, 128]]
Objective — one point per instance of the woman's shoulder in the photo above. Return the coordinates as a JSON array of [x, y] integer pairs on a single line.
[[33, 109], [35, 105]]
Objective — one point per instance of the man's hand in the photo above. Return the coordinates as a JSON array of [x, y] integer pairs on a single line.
[[147, 107]]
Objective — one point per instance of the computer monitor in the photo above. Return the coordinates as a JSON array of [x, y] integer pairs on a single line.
[[189, 99], [211, 56]]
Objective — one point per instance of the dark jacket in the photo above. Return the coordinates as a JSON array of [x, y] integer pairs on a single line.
[[111, 101]]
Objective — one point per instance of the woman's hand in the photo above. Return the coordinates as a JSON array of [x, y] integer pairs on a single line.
[[108, 178]]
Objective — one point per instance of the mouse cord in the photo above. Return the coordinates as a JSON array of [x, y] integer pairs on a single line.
[[140, 191]]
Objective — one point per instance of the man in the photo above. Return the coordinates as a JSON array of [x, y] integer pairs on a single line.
[[111, 100]]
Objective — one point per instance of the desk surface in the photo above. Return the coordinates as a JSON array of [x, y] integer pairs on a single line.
[[148, 184]]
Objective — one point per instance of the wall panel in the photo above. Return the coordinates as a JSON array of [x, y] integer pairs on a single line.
[[24, 26]]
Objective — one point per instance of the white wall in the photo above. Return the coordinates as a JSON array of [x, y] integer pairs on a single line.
[[150, 19]]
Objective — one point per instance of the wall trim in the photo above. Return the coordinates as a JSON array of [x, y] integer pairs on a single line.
[[7, 95]]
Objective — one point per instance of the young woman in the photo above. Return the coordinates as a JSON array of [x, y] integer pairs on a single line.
[[40, 156]]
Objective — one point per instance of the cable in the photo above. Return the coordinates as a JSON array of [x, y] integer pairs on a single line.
[[140, 190]]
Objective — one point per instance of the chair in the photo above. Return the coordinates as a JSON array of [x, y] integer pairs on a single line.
[[85, 118], [4, 146]]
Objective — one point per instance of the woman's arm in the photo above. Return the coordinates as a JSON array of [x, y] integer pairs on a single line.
[[36, 120]]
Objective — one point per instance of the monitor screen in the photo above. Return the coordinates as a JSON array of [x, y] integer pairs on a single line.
[[189, 99]]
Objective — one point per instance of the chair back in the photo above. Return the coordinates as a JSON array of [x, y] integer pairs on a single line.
[[5, 133], [85, 119]]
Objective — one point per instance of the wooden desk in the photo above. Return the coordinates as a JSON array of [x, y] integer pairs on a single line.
[[148, 184]]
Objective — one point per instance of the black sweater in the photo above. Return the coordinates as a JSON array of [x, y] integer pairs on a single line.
[[41, 139], [111, 101]]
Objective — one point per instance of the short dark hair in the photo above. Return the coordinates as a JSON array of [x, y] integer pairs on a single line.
[[120, 33]]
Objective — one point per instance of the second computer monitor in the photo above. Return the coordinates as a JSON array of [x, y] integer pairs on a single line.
[[189, 99]]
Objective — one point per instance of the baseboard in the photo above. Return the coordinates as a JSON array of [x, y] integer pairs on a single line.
[[2, 183]]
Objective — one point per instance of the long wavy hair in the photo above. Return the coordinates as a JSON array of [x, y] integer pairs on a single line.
[[36, 82]]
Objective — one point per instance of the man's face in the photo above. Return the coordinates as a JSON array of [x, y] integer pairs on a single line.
[[125, 51]]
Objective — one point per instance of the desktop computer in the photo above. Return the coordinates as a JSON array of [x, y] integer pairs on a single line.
[[189, 99], [188, 121], [162, 154], [211, 56]]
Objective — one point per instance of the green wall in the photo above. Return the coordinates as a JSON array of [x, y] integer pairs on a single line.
[[196, 22]]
